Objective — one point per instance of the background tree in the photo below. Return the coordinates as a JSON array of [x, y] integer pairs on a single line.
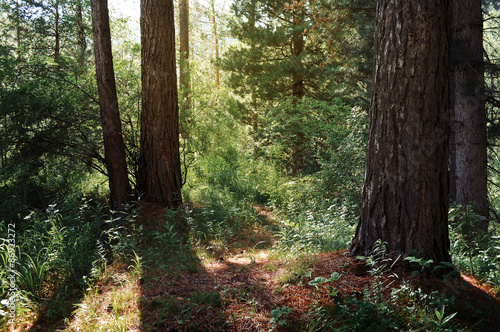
[[468, 156], [114, 146], [159, 172], [295, 50], [405, 194], [491, 58], [184, 72], [49, 119], [270, 59]]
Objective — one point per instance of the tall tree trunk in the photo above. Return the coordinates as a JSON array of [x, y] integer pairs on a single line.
[[469, 122], [297, 48], [57, 50], [114, 147], [405, 194], [184, 77], [257, 133], [298, 81], [216, 38], [18, 29], [159, 173], [81, 43]]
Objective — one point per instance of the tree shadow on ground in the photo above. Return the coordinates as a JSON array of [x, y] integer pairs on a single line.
[[52, 314], [180, 288], [221, 293]]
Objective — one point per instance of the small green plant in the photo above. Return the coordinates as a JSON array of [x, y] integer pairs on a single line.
[[278, 316], [378, 259], [136, 268], [428, 264], [441, 319], [300, 269], [32, 273], [316, 282], [466, 234], [423, 263], [207, 298]]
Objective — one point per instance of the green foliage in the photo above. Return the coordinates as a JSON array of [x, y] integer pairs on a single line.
[[320, 280], [378, 260], [176, 249], [278, 316], [63, 246], [334, 49], [428, 265], [406, 309], [473, 251], [298, 135], [49, 131], [342, 168]]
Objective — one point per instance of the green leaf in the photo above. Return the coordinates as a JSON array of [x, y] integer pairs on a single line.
[[447, 264], [450, 317], [439, 314], [317, 281], [413, 259], [334, 277], [428, 263]]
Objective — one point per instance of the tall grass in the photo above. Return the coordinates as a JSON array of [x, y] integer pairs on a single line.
[[59, 251]]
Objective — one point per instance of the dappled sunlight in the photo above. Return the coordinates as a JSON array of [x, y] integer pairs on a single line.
[[111, 304]]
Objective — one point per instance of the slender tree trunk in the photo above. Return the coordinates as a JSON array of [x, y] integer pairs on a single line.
[[18, 29], [114, 147], [80, 33], [184, 77], [405, 194], [297, 48], [159, 173], [57, 50], [469, 122], [254, 110], [298, 81], [216, 38]]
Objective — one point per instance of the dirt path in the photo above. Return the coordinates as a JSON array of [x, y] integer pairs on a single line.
[[240, 286]]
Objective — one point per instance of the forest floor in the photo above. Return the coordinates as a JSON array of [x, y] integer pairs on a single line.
[[243, 287]]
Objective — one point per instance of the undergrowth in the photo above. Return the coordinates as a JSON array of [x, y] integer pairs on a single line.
[[59, 252]]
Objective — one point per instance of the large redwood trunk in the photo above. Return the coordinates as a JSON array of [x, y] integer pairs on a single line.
[[159, 173], [405, 194], [114, 146]]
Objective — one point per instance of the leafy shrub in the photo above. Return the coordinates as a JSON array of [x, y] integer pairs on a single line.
[[472, 250]]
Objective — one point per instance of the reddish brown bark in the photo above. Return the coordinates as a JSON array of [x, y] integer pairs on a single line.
[[405, 194], [159, 172], [114, 146]]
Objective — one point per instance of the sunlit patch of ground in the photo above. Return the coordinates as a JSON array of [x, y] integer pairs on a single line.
[[111, 305]]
